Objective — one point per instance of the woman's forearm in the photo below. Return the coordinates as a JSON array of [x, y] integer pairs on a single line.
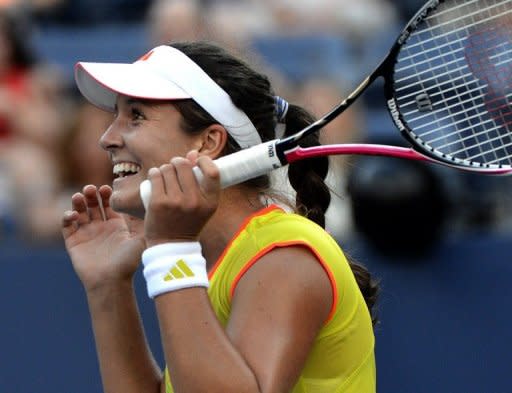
[[199, 355], [125, 360]]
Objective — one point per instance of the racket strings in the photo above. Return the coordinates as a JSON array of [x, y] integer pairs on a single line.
[[461, 112], [478, 144], [453, 81], [436, 27], [491, 45], [448, 84], [445, 105], [442, 104], [503, 53], [435, 76], [460, 132]]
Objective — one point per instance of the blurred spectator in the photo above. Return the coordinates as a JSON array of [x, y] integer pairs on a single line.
[[81, 159], [32, 119], [91, 12], [34, 184], [43, 180], [16, 63], [32, 4], [175, 20], [31, 103], [338, 41], [361, 18], [235, 24], [43, 117], [357, 19]]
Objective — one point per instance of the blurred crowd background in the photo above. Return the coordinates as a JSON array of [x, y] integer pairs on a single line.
[[315, 52], [436, 237]]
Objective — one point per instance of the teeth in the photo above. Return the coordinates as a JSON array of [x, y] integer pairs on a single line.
[[124, 168]]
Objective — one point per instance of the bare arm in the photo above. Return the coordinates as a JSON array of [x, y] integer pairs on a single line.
[[278, 307], [105, 254], [277, 310], [126, 363]]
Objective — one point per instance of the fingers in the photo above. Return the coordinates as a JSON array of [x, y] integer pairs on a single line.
[[105, 193], [93, 201], [69, 223], [185, 177], [180, 206], [211, 181], [157, 183], [169, 188], [80, 206], [177, 183], [192, 156], [72, 219], [89, 205]]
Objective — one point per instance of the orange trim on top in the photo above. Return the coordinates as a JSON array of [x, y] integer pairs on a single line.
[[289, 244], [238, 232]]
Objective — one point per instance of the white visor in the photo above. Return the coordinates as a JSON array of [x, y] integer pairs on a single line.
[[164, 73]]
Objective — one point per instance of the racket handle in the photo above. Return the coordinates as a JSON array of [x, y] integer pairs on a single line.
[[234, 168]]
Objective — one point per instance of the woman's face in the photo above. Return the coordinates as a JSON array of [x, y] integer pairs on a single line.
[[143, 134]]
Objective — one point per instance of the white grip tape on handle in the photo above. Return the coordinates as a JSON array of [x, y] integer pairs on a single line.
[[234, 168]]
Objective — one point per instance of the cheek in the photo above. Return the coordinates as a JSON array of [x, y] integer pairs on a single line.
[[161, 152], [155, 158]]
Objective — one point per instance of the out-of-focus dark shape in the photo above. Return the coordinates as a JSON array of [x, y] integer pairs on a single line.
[[398, 206]]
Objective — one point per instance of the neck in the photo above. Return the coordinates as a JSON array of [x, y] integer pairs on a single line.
[[235, 205]]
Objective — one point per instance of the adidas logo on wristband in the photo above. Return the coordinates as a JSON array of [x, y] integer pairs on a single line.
[[181, 270]]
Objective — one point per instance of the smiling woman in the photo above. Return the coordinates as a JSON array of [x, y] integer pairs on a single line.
[[252, 294], [143, 134], [126, 169]]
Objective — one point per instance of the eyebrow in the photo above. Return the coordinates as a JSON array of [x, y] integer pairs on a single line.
[[131, 101], [149, 102]]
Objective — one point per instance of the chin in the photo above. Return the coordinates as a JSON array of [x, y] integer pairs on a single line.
[[121, 203]]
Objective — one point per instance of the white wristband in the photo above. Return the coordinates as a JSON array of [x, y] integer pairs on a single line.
[[172, 266]]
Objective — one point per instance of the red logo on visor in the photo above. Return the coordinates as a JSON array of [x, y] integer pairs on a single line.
[[146, 56]]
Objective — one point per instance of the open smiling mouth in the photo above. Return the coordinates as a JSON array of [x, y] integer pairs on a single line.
[[125, 169]]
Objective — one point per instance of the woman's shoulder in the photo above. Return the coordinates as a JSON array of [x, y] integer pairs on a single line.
[[276, 224]]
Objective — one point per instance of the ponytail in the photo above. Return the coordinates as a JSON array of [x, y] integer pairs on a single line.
[[367, 285], [307, 178]]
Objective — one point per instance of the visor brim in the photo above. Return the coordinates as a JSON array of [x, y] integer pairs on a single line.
[[101, 83]]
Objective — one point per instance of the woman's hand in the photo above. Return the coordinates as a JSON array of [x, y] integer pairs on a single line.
[[105, 247], [179, 206]]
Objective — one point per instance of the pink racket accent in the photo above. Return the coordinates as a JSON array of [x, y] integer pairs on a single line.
[[378, 150]]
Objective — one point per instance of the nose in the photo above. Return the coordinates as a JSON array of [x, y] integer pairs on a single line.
[[112, 137]]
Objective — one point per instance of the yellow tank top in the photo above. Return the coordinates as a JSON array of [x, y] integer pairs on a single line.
[[342, 357]]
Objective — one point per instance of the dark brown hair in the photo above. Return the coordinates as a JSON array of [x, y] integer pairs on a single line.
[[252, 92]]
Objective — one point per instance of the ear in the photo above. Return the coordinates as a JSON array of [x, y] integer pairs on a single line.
[[213, 141]]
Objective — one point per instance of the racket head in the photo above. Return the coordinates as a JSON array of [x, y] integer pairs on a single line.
[[448, 83]]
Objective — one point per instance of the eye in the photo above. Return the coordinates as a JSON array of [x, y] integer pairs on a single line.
[[137, 114]]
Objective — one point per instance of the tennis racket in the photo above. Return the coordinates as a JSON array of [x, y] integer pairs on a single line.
[[448, 88]]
